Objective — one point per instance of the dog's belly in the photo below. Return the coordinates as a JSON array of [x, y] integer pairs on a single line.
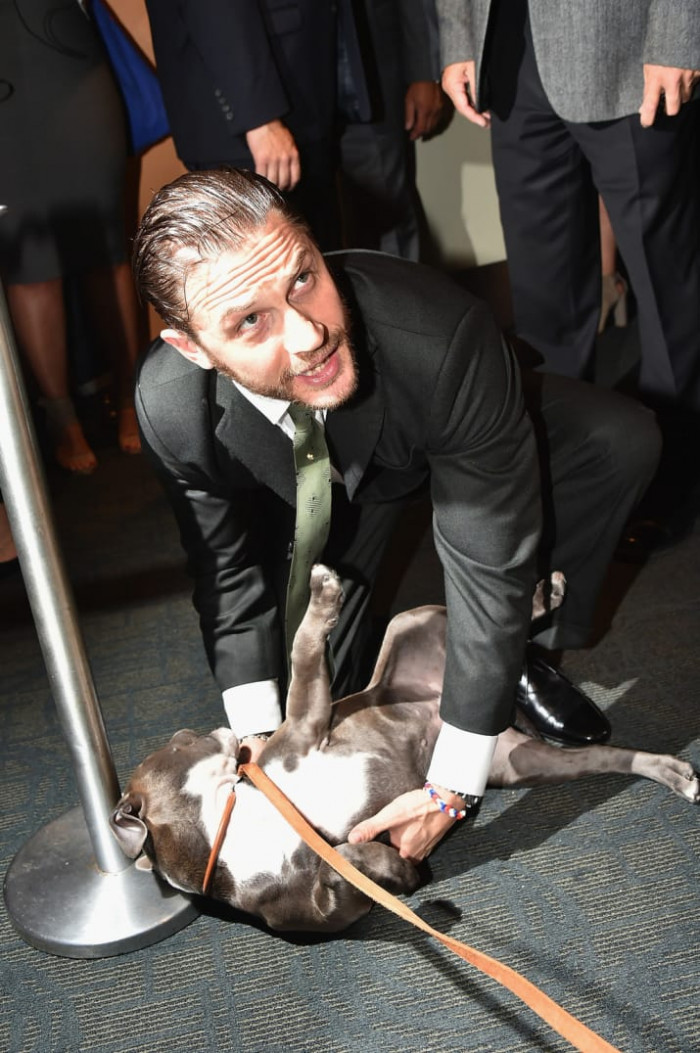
[[328, 790]]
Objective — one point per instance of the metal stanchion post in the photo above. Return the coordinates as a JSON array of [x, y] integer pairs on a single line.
[[69, 890]]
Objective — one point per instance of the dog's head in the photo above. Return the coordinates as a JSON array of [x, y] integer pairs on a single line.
[[160, 812]]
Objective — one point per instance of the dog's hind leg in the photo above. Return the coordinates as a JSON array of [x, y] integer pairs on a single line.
[[340, 903], [522, 761], [315, 898], [309, 696]]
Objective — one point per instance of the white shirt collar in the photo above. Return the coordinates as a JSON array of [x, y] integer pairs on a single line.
[[273, 409]]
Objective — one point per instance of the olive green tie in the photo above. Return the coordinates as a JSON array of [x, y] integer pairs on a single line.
[[313, 472]]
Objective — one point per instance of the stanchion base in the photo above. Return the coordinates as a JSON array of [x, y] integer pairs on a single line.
[[60, 902]]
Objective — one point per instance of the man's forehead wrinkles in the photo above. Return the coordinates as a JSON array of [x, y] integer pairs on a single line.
[[274, 257]]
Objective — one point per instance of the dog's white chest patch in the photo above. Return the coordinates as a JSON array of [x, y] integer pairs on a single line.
[[327, 790]]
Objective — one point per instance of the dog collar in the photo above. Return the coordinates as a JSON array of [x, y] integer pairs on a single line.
[[219, 840]]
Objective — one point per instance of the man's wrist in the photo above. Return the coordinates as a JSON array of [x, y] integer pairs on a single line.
[[470, 799], [461, 760], [252, 708], [452, 803]]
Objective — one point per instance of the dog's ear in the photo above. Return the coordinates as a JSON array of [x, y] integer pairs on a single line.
[[128, 826]]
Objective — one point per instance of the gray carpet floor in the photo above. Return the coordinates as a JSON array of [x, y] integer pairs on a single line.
[[590, 890]]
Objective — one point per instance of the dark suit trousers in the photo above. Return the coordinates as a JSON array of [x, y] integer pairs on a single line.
[[548, 172], [378, 192]]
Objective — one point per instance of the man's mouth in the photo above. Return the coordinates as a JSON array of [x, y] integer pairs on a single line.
[[323, 368], [317, 368]]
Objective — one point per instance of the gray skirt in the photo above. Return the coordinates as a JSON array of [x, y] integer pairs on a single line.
[[62, 144]]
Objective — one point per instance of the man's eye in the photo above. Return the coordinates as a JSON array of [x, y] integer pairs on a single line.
[[249, 322], [304, 278]]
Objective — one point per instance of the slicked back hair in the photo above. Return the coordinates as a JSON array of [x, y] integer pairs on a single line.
[[197, 217]]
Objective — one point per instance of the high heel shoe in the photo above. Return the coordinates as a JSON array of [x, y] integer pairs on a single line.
[[613, 299]]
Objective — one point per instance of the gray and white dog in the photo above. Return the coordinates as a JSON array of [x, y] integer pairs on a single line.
[[339, 763]]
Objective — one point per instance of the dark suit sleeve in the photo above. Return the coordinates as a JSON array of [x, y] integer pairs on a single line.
[[487, 520], [220, 529], [232, 42]]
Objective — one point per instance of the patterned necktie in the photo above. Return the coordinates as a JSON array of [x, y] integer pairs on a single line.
[[313, 472]]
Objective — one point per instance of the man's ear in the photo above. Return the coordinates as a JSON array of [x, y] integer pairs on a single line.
[[187, 347]]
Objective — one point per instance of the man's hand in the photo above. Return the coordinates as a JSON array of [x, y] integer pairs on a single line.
[[673, 84], [275, 154], [459, 82], [250, 749], [415, 823], [423, 108]]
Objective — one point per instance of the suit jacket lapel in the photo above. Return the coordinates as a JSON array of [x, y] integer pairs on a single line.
[[261, 446], [352, 433], [353, 430]]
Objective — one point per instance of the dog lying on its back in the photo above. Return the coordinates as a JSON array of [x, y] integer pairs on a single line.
[[339, 763]]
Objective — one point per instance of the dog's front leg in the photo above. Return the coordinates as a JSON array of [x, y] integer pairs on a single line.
[[309, 696]]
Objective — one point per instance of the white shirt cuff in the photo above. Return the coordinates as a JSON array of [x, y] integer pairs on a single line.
[[253, 708], [461, 760]]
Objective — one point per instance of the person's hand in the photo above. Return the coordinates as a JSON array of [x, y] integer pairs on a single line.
[[423, 107], [459, 82], [275, 154], [250, 749], [414, 822], [673, 84]]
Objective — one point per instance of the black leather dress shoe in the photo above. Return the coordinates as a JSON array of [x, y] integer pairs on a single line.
[[557, 708]]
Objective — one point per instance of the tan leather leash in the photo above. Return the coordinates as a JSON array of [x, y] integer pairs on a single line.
[[566, 1025], [218, 841]]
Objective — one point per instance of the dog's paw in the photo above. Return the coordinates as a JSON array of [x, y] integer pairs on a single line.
[[681, 777], [691, 789], [557, 589], [548, 595], [326, 593]]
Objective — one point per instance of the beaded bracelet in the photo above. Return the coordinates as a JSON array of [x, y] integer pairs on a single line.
[[442, 805]]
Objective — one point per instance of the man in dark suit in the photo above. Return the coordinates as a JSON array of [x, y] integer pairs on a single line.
[[417, 391], [377, 178], [252, 83]]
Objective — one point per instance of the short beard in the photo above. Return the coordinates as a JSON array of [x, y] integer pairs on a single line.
[[283, 388]]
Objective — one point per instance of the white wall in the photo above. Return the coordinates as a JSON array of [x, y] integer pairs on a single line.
[[456, 183]]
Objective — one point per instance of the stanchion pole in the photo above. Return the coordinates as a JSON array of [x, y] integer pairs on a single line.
[[70, 890]]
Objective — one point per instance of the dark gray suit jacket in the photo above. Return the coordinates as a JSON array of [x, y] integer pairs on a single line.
[[589, 56], [439, 404]]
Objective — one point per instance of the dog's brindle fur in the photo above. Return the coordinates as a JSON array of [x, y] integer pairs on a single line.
[[339, 763]]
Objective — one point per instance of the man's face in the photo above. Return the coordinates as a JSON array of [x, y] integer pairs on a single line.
[[269, 316]]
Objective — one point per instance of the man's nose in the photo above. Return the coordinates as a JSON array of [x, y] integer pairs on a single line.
[[301, 334]]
